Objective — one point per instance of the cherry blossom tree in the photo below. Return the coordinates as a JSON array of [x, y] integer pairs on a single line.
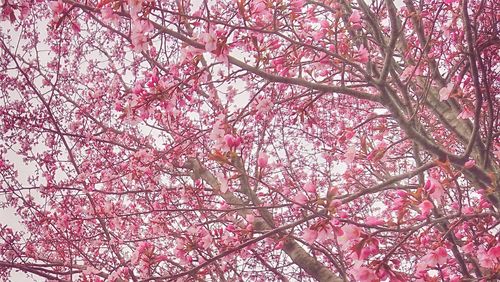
[[250, 140]]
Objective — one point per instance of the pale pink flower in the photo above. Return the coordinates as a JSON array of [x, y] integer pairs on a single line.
[[468, 210], [487, 259], [310, 235], [434, 188], [189, 52], [438, 256], [232, 141], [56, 6], [373, 221], [206, 241], [108, 15], [139, 31], [466, 113], [297, 5], [250, 218], [10, 255], [494, 251], [135, 8], [300, 198], [407, 72], [469, 248], [223, 183], [335, 203], [469, 163], [425, 208], [411, 71], [445, 92], [325, 234], [355, 19], [310, 187], [317, 35], [259, 7], [280, 245], [351, 232], [362, 55], [210, 41], [350, 155], [363, 273], [262, 160], [398, 203]]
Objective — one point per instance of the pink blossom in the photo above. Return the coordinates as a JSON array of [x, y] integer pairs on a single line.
[[223, 183], [469, 163], [210, 41], [468, 210], [434, 188], [310, 235], [494, 251], [189, 52], [430, 185], [7, 13], [250, 218], [279, 246], [262, 160], [259, 7], [363, 273], [438, 256], [425, 208], [106, 13], [300, 198], [229, 139], [310, 187], [373, 221], [75, 26], [398, 203], [231, 228], [56, 6], [108, 16], [135, 8], [138, 34], [466, 113], [362, 55], [351, 232], [350, 155], [368, 250], [355, 19], [317, 35], [401, 193], [468, 248], [10, 255], [325, 234], [407, 72], [232, 141], [296, 5], [445, 92], [335, 203], [206, 241], [488, 259]]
